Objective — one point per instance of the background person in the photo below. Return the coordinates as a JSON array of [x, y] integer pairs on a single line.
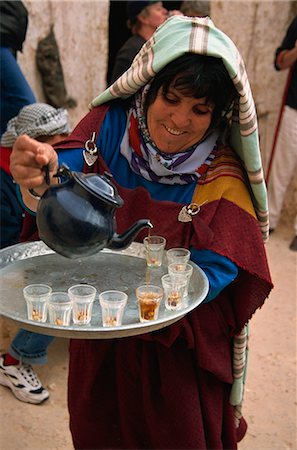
[[195, 8], [144, 17], [15, 90], [167, 146], [45, 124], [283, 162]]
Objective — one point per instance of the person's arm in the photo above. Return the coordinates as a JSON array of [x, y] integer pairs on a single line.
[[27, 162], [286, 58], [219, 270], [286, 53]]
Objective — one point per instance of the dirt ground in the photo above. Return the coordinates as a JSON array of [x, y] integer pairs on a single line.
[[270, 395]]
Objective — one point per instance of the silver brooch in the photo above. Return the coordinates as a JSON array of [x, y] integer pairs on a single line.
[[91, 152], [188, 211]]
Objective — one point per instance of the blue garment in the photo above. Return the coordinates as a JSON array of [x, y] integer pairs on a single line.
[[15, 90], [29, 347], [12, 212], [219, 270]]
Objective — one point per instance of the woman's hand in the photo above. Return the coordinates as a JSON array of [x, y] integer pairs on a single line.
[[27, 162], [28, 159]]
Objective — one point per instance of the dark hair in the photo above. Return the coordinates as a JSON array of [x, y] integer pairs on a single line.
[[196, 76]]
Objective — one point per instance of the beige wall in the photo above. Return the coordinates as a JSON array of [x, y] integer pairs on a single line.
[[81, 31]]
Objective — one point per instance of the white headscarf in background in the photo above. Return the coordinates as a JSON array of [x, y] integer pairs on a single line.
[[37, 119]]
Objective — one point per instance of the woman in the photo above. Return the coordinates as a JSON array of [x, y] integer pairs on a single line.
[[167, 148]]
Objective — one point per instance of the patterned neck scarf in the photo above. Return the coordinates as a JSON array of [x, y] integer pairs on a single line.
[[148, 161]]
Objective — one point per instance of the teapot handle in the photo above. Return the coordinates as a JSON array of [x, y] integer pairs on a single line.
[[64, 172]]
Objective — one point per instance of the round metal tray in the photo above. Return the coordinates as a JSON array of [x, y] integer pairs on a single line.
[[34, 262]]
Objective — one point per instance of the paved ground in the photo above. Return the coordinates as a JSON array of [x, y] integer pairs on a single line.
[[270, 396]]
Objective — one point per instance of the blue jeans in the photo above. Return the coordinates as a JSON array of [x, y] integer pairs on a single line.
[[15, 90], [29, 347]]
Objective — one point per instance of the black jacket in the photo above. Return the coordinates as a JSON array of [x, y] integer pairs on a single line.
[[13, 24]]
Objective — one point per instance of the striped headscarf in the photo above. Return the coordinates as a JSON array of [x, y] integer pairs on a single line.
[[175, 37]]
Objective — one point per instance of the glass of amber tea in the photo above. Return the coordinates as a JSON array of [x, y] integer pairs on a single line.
[[173, 292], [180, 272], [112, 306], [82, 297], [36, 296], [149, 298], [154, 249], [59, 308], [178, 256]]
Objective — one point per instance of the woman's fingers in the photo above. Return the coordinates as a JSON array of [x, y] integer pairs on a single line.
[[28, 159]]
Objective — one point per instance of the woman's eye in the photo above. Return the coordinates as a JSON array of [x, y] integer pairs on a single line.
[[170, 99], [201, 112]]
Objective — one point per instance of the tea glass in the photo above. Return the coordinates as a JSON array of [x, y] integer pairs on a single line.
[[59, 308], [36, 296], [178, 256], [82, 297], [112, 306], [173, 292], [179, 272], [149, 298], [154, 248]]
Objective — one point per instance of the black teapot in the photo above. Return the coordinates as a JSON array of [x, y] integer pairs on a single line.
[[76, 217]]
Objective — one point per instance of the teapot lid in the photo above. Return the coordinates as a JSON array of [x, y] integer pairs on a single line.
[[100, 186]]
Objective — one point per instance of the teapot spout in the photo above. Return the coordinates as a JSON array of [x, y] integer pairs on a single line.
[[121, 241]]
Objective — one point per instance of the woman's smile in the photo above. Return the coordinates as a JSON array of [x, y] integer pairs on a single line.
[[176, 122], [174, 132]]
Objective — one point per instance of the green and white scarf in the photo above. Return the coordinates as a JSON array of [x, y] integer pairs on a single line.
[[179, 35]]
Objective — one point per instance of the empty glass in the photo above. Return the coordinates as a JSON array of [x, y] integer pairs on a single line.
[[149, 298], [154, 248], [82, 297], [179, 272], [59, 308], [36, 296], [178, 256], [112, 306], [173, 292]]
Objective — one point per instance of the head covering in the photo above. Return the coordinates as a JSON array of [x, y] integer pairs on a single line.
[[135, 7], [38, 119], [199, 35], [195, 8]]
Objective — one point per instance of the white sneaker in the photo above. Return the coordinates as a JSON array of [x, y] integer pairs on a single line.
[[23, 382]]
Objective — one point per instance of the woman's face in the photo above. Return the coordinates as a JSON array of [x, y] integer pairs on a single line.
[[176, 122], [156, 15]]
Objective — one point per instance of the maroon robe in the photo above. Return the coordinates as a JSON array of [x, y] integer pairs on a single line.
[[169, 389]]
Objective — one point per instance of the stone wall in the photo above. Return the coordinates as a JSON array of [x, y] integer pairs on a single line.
[[81, 31]]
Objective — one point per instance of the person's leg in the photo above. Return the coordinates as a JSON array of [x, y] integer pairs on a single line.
[[15, 90], [30, 348], [15, 369], [283, 166]]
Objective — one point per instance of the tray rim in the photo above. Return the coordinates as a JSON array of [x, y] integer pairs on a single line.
[[96, 332]]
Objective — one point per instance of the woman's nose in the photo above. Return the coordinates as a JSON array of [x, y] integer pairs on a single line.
[[181, 117]]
